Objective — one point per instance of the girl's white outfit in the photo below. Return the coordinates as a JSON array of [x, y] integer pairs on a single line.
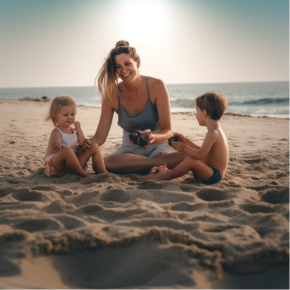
[[67, 140]]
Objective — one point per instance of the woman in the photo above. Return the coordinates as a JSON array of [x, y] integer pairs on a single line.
[[142, 103]]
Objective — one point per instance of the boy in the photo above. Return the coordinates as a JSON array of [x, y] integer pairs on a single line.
[[209, 162]]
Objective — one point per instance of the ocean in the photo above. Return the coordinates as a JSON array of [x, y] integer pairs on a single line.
[[257, 98]]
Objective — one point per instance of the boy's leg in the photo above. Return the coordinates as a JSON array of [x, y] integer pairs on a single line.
[[203, 171], [65, 159], [97, 158]]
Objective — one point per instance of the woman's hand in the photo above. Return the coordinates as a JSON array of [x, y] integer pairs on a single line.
[[85, 147], [150, 136]]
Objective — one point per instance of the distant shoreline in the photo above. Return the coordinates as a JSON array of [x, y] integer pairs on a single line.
[[277, 116], [255, 99]]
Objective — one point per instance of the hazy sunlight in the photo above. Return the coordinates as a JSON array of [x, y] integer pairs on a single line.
[[142, 20]]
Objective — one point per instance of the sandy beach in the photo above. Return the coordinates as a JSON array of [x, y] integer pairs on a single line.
[[121, 231]]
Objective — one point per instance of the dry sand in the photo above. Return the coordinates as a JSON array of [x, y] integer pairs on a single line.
[[119, 231]]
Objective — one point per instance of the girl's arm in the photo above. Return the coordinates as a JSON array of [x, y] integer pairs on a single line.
[[80, 134], [55, 140], [159, 92], [105, 123]]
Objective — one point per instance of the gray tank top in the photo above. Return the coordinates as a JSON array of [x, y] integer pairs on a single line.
[[147, 119]]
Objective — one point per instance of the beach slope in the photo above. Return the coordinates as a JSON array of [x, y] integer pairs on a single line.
[[121, 231]]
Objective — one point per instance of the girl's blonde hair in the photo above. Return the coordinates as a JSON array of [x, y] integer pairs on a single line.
[[107, 76], [57, 103]]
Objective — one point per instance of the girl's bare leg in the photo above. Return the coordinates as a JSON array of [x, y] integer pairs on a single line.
[[97, 158], [65, 159], [126, 162], [203, 171]]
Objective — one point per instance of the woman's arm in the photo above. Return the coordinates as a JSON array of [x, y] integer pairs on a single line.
[[105, 123], [160, 95]]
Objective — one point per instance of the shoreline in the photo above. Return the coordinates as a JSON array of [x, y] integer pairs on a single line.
[[113, 231], [174, 111]]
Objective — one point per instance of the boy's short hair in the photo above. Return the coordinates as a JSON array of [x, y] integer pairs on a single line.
[[214, 103]]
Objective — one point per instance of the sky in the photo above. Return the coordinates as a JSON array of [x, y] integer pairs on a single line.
[[52, 43]]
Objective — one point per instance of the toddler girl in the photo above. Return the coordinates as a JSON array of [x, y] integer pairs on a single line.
[[61, 154]]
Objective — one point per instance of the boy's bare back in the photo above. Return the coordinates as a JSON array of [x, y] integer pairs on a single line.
[[218, 156]]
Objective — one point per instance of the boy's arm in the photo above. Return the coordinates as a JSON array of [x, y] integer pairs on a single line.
[[200, 153], [186, 141], [192, 145], [80, 134], [55, 140]]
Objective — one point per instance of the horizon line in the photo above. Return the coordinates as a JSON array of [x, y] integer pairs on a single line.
[[234, 82]]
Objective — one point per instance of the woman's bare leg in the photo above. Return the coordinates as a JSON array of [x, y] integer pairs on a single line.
[[126, 162]]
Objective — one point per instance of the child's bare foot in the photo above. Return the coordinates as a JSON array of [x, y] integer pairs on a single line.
[[158, 173], [86, 175], [159, 176], [155, 169]]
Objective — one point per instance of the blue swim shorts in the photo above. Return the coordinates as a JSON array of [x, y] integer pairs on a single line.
[[216, 177]]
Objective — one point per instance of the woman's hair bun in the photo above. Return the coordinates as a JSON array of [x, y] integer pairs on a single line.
[[122, 43]]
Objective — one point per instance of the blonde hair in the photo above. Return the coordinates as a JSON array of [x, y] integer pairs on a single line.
[[57, 103], [107, 76], [214, 103]]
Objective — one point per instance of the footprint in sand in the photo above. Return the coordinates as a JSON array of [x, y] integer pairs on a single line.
[[118, 195], [91, 208], [150, 184], [70, 222], [213, 195], [252, 208], [255, 178], [187, 206], [34, 225], [275, 196], [5, 191], [58, 206], [253, 160], [8, 269], [24, 195]]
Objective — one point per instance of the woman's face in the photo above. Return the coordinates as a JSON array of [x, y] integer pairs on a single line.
[[126, 67]]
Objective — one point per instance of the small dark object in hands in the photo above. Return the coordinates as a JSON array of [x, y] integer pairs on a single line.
[[138, 139], [134, 136], [173, 139]]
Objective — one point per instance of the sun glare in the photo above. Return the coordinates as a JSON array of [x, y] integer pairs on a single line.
[[144, 19]]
